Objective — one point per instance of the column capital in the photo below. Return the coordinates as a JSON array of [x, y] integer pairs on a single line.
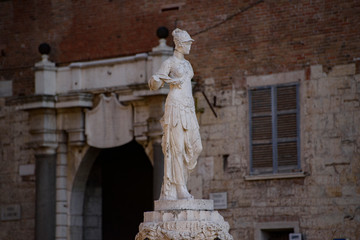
[[41, 149]]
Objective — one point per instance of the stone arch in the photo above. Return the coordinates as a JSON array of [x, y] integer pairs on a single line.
[[78, 193], [130, 185]]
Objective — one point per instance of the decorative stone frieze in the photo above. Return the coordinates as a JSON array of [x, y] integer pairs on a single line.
[[184, 220]]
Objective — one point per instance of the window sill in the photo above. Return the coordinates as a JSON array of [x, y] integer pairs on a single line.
[[274, 176]]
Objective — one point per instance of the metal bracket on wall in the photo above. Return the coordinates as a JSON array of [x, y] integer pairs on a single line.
[[208, 102]]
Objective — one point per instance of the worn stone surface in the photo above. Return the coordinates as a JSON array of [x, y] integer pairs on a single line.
[[179, 223], [109, 124], [14, 188], [184, 204], [329, 149]]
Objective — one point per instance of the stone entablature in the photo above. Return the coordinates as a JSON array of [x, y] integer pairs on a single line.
[[122, 73], [103, 74], [78, 86], [124, 77]]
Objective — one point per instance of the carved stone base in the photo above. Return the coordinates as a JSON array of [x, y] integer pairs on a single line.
[[184, 204], [183, 222]]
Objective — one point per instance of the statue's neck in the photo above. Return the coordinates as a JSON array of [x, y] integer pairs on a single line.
[[178, 55]]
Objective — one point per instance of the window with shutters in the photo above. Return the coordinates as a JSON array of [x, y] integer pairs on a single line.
[[274, 129]]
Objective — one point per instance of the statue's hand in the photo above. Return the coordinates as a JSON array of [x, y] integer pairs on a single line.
[[163, 77], [155, 82], [175, 81]]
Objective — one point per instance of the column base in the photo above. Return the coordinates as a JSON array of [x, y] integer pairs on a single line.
[[183, 222]]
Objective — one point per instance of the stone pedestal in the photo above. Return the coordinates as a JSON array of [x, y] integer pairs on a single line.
[[183, 220]]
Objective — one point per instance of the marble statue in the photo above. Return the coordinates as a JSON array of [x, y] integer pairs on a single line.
[[181, 142], [177, 215]]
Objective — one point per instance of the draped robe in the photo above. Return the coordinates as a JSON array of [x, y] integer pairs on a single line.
[[181, 141]]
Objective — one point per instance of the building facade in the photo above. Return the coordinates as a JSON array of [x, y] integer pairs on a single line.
[[276, 86]]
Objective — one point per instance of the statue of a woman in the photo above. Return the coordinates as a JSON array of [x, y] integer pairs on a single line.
[[181, 142]]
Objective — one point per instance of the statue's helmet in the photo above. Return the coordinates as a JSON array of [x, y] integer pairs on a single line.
[[181, 36]]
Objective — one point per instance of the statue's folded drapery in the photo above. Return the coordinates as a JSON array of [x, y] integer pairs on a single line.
[[181, 144]]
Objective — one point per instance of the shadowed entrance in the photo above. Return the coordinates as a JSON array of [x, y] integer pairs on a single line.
[[126, 181]]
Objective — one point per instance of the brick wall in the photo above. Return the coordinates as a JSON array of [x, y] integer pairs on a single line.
[[17, 180], [269, 36]]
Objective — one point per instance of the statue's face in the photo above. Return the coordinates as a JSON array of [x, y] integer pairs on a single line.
[[186, 47]]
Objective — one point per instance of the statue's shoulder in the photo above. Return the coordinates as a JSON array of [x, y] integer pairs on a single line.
[[170, 60]]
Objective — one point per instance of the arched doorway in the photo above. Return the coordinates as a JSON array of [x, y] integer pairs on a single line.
[[118, 190]]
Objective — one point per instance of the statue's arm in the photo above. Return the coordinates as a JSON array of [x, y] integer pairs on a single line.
[[158, 80]]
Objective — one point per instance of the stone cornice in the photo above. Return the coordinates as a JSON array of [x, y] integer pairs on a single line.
[[74, 100], [32, 102]]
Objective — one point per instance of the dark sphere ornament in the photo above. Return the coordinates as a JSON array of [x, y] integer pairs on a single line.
[[44, 48], [162, 32]]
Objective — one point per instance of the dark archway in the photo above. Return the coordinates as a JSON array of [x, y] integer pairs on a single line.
[[126, 180]]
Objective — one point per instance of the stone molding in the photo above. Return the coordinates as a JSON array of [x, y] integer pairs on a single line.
[[184, 220], [184, 204], [32, 102], [49, 114], [275, 176], [275, 78], [74, 100]]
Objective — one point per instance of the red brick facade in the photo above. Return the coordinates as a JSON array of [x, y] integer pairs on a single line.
[[242, 37]]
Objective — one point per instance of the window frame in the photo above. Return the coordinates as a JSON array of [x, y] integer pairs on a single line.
[[260, 227], [274, 127]]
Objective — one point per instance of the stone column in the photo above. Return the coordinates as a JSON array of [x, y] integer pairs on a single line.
[[70, 133], [42, 122], [43, 130], [61, 193], [52, 130], [42, 119], [45, 196]]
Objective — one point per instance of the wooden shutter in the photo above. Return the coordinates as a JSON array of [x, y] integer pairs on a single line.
[[274, 128], [262, 156], [286, 98], [287, 126], [287, 154], [261, 128]]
